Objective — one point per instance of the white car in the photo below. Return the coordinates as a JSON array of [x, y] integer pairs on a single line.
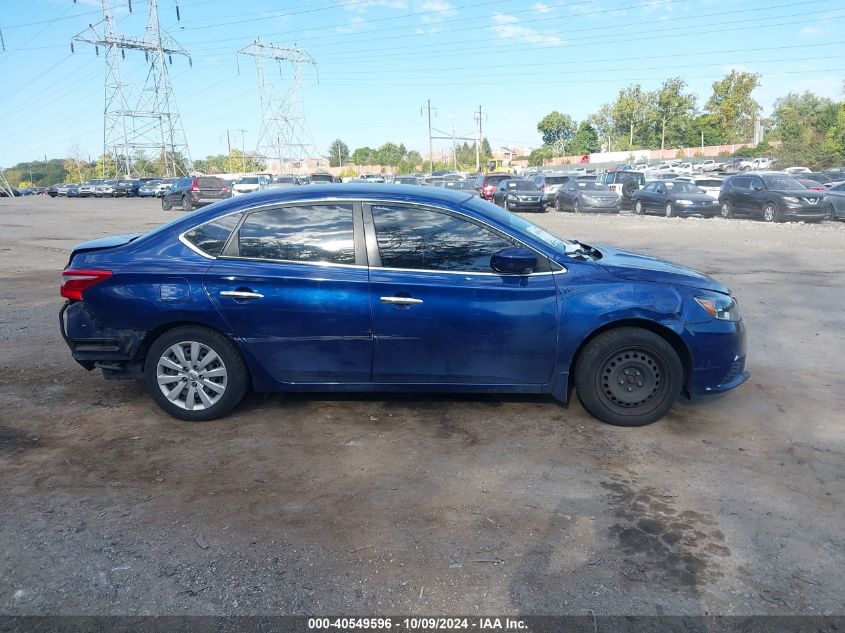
[[683, 168], [762, 164], [711, 185], [792, 171], [163, 186], [249, 184], [708, 165]]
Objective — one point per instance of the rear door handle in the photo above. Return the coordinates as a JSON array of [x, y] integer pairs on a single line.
[[402, 301], [241, 294]]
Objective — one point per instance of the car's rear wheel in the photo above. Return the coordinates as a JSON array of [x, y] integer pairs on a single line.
[[831, 212], [558, 205], [187, 207], [628, 377], [670, 210], [727, 209], [194, 373], [166, 204], [638, 207], [578, 207], [770, 212]]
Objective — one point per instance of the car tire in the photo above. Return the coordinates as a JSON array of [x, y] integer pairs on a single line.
[[166, 205], [628, 376], [727, 209], [670, 210], [638, 207], [770, 212], [187, 207], [558, 205], [578, 207], [831, 213], [628, 188], [202, 391]]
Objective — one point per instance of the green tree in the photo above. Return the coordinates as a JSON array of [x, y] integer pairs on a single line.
[[338, 153], [363, 156], [804, 124], [390, 154], [704, 130], [537, 156], [733, 106], [557, 130], [675, 110], [585, 141], [605, 128], [632, 111]]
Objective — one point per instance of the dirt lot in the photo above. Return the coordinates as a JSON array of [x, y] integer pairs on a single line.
[[420, 504]]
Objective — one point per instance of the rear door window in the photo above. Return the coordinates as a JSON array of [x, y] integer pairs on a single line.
[[211, 237]]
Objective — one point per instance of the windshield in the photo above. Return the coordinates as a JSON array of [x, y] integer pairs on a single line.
[[679, 186], [782, 182], [586, 185], [521, 224], [285, 180], [248, 181], [522, 185]]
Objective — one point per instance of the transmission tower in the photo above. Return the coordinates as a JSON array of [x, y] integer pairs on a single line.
[[283, 134], [4, 184], [139, 125]]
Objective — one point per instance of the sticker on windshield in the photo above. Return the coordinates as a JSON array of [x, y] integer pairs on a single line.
[[547, 237]]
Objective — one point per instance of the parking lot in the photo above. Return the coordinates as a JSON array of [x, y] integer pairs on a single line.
[[429, 504]]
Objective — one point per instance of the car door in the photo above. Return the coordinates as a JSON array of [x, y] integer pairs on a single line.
[[441, 314], [292, 283], [738, 192], [757, 195]]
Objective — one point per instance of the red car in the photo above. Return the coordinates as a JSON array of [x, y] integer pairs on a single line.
[[486, 184], [812, 184]]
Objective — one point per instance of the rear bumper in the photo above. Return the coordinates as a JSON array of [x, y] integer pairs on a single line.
[[697, 209], [94, 345]]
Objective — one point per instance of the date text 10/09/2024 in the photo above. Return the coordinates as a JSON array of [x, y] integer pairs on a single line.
[[411, 624]]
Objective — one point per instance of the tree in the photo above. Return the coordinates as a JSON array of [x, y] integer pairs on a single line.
[[605, 127], [675, 110], [537, 156], [338, 153], [557, 130], [390, 154], [631, 112], [803, 123], [585, 141], [733, 106], [363, 156]]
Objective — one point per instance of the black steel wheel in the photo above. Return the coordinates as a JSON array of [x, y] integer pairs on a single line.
[[628, 377]]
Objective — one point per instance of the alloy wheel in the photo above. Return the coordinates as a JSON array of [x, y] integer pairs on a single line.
[[191, 375]]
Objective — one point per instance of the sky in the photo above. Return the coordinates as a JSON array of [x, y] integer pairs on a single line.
[[378, 62]]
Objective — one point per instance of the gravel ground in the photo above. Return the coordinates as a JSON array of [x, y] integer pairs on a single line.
[[431, 505]]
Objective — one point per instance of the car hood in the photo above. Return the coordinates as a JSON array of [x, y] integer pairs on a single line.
[[636, 267], [526, 192], [799, 193]]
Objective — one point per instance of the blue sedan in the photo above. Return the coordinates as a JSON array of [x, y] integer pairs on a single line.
[[364, 287]]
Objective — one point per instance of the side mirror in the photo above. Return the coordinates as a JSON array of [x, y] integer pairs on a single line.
[[514, 260], [757, 188]]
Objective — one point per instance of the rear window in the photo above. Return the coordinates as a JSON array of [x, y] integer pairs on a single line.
[[710, 182], [322, 178], [621, 177], [495, 180], [556, 180], [209, 183], [212, 236], [248, 181]]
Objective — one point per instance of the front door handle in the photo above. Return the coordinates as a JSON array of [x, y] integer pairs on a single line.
[[241, 294], [402, 301]]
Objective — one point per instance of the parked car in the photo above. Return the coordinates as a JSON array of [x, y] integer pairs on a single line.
[[406, 180], [835, 200], [53, 190], [736, 164], [818, 176], [322, 178], [583, 196], [126, 188], [280, 182], [549, 185], [683, 168], [459, 185], [485, 184], [811, 184], [89, 187], [711, 185], [165, 185], [792, 171], [249, 184], [296, 292], [773, 196], [762, 164], [707, 165], [72, 191], [106, 188], [148, 189], [625, 183], [674, 198], [16, 193], [516, 194], [190, 191], [62, 189]]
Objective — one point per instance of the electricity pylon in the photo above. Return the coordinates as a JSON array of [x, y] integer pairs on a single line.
[[4, 184], [139, 126], [283, 134]]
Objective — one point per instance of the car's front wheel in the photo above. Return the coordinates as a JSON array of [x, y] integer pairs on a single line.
[[166, 204], [727, 209], [187, 205], [194, 373], [558, 205], [670, 210], [770, 212], [638, 208], [628, 376]]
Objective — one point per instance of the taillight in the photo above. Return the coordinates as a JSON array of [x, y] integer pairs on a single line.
[[195, 186], [75, 282]]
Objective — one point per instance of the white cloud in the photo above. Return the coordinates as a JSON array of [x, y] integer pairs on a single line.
[[355, 24], [434, 10], [363, 5], [506, 27], [542, 8]]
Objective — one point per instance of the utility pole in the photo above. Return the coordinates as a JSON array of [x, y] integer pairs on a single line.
[[430, 147], [228, 153], [454, 149], [243, 149], [478, 138]]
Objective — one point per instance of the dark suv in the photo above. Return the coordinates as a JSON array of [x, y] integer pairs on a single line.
[[771, 195], [623, 182], [190, 191], [485, 184], [549, 184]]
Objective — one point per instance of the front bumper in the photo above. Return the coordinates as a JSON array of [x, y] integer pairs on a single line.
[[804, 212], [719, 353], [526, 205]]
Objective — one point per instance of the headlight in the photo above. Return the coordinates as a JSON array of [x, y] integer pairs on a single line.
[[791, 200], [684, 201], [590, 199], [722, 307], [512, 197]]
